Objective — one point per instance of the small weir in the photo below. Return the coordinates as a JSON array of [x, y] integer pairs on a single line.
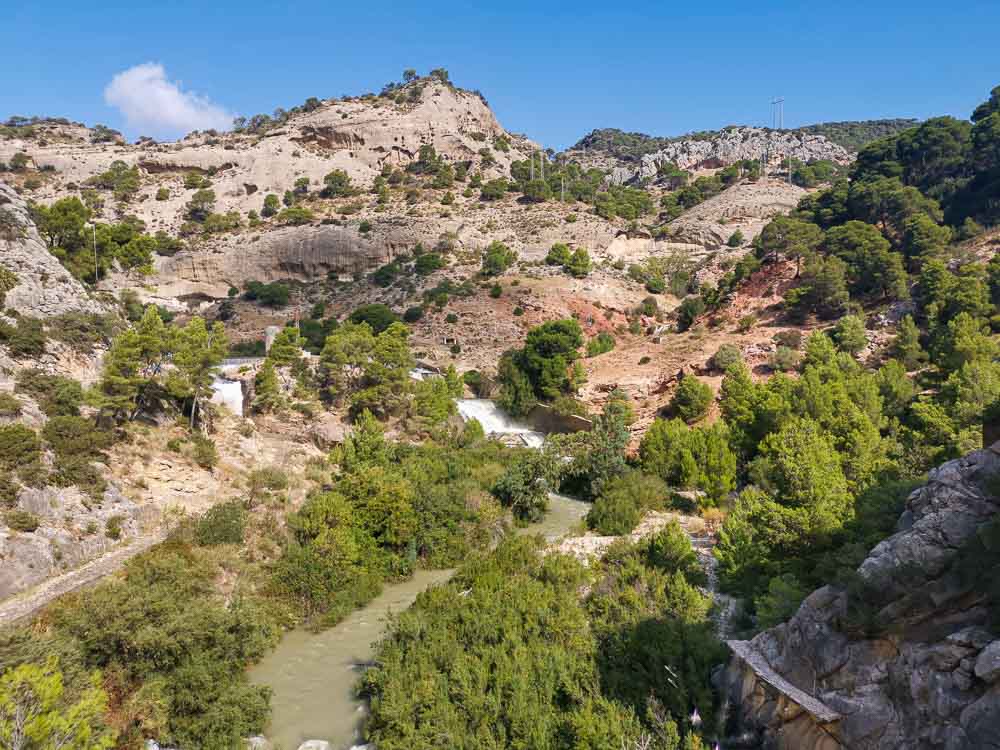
[[495, 421]]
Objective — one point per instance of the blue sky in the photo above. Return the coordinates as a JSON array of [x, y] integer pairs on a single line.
[[551, 70]]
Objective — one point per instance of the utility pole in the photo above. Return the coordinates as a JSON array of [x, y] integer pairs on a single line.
[[778, 118], [532, 157], [541, 162]]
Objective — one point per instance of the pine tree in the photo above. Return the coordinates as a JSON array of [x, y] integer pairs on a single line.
[[286, 349], [906, 348], [34, 711], [120, 378], [198, 350], [267, 391]]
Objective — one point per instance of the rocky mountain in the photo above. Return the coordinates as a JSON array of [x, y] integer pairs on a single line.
[[359, 135], [905, 658], [728, 146], [620, 146]]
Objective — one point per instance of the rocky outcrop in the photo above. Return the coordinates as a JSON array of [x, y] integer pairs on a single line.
[[730, 146], [306, 252], [920, 671], [43, 286], [73, 528]]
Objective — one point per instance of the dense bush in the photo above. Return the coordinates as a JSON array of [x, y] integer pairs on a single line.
[[692, 399], [21, 520], [222, 524], [597, 683], [274, 294], [600, 344], [24, 339], [165, 639], [624, 500], [725, 356], [497, 258], [543, 368]]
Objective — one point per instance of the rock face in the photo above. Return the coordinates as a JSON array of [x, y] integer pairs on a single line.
[[730, 146], [74, 529], [44, 287], [924, 673]]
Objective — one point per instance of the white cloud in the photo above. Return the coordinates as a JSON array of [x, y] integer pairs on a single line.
[[156, 106]]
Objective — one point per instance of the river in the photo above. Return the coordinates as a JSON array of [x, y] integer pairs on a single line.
[[312, 675]]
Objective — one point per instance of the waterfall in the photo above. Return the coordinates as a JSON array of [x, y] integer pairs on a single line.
[[229, 393], [496, 422]]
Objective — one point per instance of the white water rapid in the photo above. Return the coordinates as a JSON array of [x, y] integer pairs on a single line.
[[496, 422]]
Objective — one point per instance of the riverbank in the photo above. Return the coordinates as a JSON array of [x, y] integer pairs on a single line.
[[312, 675]]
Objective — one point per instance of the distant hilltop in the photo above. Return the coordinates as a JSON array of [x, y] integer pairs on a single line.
[[631, 147]]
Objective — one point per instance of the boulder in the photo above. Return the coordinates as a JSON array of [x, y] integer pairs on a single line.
[[988, 663]]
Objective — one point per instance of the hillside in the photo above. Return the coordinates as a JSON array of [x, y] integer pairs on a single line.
[[237, 376], [631, 147]]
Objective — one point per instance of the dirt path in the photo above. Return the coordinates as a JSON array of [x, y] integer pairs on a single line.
[[28, 602]]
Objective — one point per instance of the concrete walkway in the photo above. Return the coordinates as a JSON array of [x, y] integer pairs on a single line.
[[27, 603]]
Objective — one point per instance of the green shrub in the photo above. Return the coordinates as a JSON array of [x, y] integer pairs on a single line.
[[614, 517], [296, 216], [203, 452], [624, 500], [559, 255], [274, 294], [518, 311], [413, 314], [113, 527], [78, 471], [9, 490], [688, 311], [82, 331], [496, 290], [725, 356], [497, 258], [792, 338], [10, 405], [264, 483], [735, 239], [75, 436], [692, 399], [783, 359], [163, 194], [451, 318], [428, 263], [25, 339], [600, 344], [21, 520], [224, 523], [378, 317], [19, 446]]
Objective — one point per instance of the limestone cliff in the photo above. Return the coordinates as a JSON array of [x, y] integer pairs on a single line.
[[43, 287], [906, 658]]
